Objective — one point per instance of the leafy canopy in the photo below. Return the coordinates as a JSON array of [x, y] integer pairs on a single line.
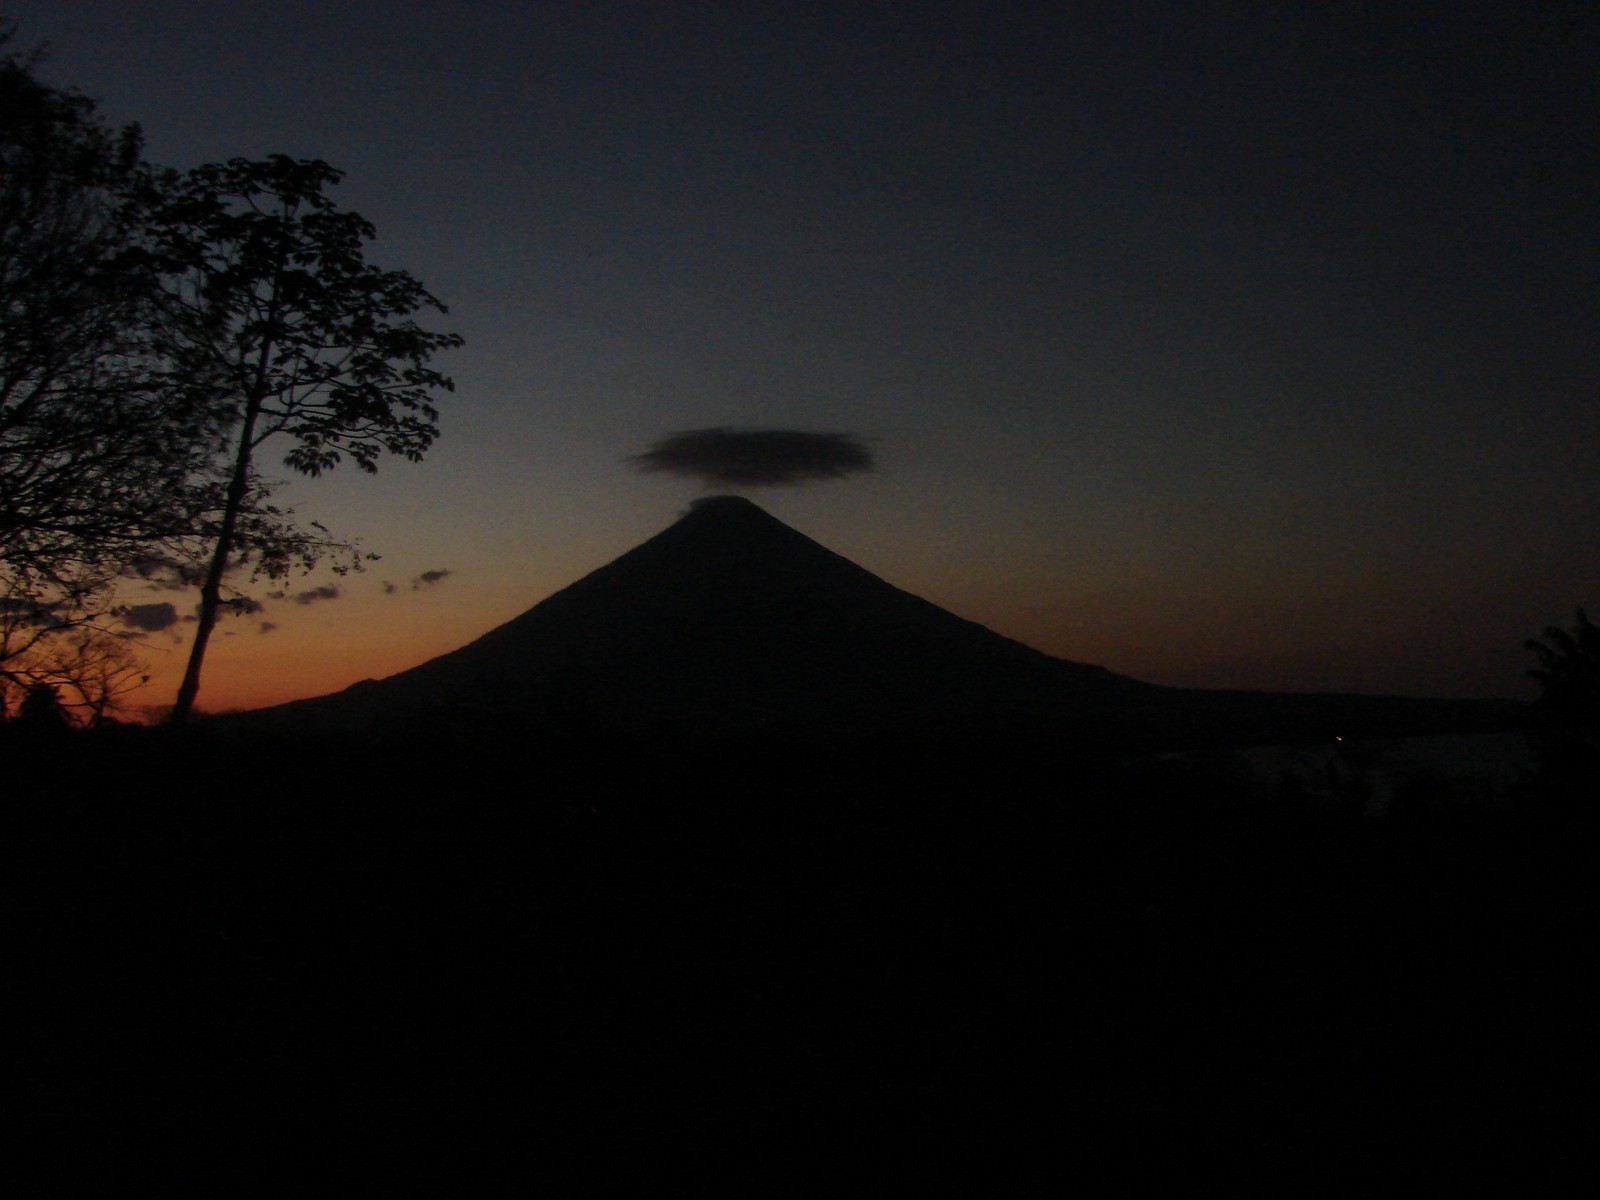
[[102, 447], [156, 329], [98, 442], [1569, 669], [291, 324], [277, 316]]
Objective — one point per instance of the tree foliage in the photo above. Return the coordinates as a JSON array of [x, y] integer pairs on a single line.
[[99, 441], [271, 304], [103, 450], [1569, 669], [157, 328], [84, 669]]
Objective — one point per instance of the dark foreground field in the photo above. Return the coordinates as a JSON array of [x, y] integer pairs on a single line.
[[411, 955]]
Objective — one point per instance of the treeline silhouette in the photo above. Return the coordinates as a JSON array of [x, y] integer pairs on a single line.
[[228, 938]]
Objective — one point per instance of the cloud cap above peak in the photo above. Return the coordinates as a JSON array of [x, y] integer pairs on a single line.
[[756, 457]]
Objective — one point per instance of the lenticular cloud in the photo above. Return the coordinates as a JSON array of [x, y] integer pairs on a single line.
[[756, 457]]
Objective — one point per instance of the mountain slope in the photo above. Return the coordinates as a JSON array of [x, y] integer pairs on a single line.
[[729, 622]]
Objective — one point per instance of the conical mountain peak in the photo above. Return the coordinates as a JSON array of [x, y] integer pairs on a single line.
[[732, 519], [728, 507], [730, 620]]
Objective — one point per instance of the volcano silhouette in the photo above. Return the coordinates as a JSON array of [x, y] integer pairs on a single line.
[[727, 622], [731, 623]]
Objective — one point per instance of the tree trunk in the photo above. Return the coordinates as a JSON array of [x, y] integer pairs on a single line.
[[211, 589]]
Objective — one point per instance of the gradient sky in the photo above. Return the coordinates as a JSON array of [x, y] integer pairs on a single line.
[[1233, 345]]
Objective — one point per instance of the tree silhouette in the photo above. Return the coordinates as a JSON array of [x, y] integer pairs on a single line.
[[1569, 670], [41, 709], [273, 309], [84, 668], [1569, 676], [101, 444]]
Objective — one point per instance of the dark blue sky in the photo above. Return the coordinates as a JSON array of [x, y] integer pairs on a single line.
[[1231, 344]]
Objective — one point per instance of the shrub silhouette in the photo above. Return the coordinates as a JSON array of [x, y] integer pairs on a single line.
[[1569, 670], [41, 710], [1569, 676]]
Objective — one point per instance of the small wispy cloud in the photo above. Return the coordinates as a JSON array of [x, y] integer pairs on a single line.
[[165, 572]]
